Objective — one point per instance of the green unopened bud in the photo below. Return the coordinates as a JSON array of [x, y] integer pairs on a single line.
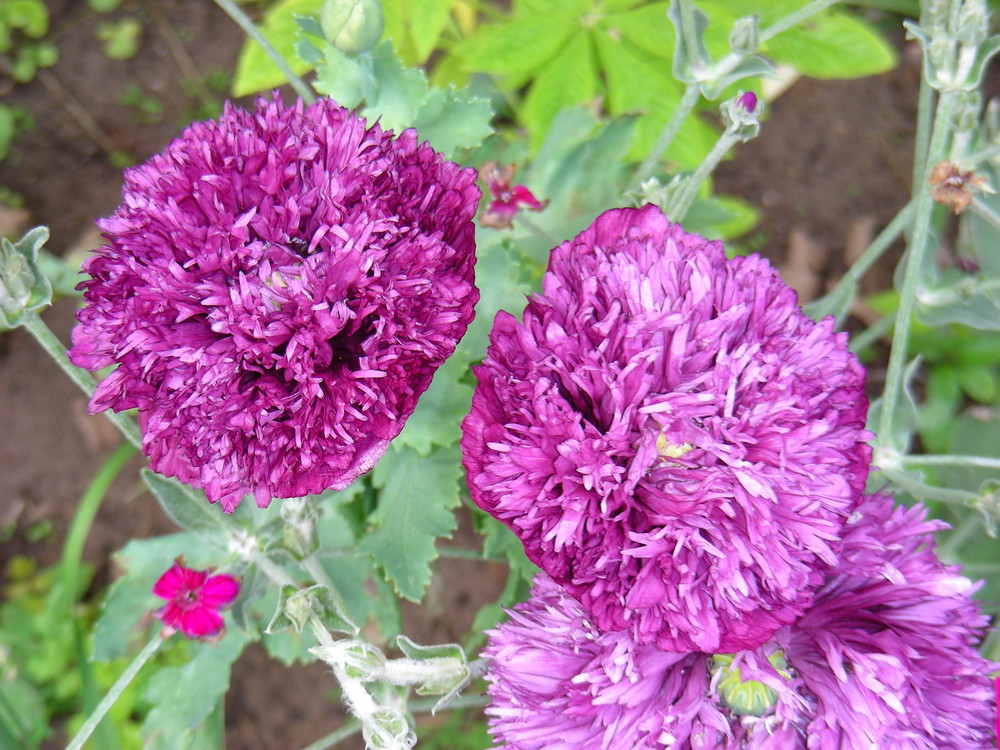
[[387, 729], [360, 660], [23, 286], [297, 607], [744, 38], [352, 26], [746, 697]]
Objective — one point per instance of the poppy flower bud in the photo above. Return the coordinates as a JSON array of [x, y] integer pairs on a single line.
[[352, 26]]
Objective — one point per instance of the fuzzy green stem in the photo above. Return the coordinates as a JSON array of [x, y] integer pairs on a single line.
[[985, 213], [983, 154], [793, 19], [275, 573], [248, 26], [689, 30], [978, 462], [427, 705], [925, 108], [914, 260], [879, 245], [531, 226], [946, 550], [728, 63], [83, 379], [116, 690], [871, 334], [687, 104], [918, 488], [825, 306], [349, 729], [685, 196]]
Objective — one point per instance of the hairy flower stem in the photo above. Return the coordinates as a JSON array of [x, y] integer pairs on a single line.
[[828, 305], [235, 13], [987, 214], [726, 65], [914, 259], [685, 196], [349, 729], [793, 19], [979, 462], [53, 346], [686, 106], [116, 690]]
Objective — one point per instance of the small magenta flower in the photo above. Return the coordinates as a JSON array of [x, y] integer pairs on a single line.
[[194, 600], [507, 199], [669, 436]]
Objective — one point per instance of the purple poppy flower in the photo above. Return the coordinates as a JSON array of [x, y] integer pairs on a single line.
[[277, 290], [669, 436], [885, 657]]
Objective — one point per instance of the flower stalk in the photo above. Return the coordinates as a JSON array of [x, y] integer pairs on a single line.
[[34, 324], [914, 260], [232, 10], [118, 688]]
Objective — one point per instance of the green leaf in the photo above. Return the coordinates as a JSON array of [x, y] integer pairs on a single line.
[[905, 417], [340, 77], [427, 20], [721, 217], [505, 289], [769, 11], [573, 183], [973, 302], [833, 45], [255, 71], [416, 499], [183, 697], [836, 303], [561, 9], [521, 46], [24, 287], [635, 85], [568, 79], [979, 383], [401, 91], [130, 599], [451, 119], [190, 509], [437, 419], [647, 28]]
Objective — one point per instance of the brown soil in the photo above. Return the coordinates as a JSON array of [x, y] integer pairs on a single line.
[[830, 168]]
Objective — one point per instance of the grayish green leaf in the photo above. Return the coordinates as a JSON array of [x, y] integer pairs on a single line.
[[416, 500]]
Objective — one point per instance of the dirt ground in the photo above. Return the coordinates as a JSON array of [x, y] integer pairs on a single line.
[[829, 170]]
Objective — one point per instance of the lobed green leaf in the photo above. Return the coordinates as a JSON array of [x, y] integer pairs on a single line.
[[416, 500]]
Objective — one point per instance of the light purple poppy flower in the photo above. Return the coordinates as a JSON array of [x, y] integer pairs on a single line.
[[884, 658]]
